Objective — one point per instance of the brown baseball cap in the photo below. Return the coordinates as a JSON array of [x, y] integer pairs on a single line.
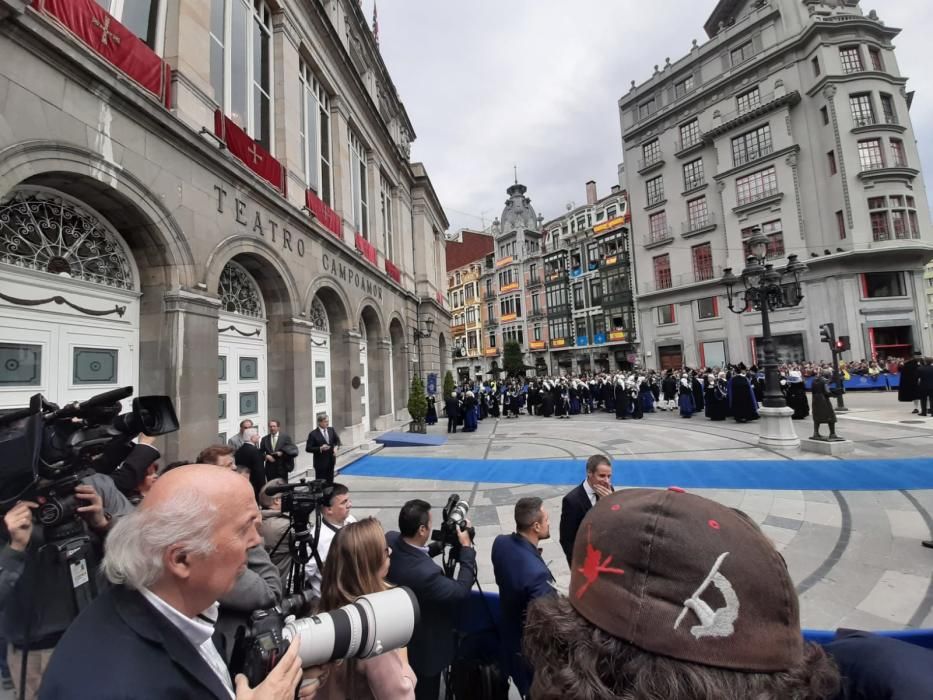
[[679, 575]]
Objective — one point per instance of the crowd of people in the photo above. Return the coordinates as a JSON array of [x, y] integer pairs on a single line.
[[186, 553]]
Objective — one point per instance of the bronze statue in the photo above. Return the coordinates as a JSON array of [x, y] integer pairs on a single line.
[[823, 408]]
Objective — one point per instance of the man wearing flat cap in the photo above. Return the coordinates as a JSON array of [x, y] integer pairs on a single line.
[[673, 596]]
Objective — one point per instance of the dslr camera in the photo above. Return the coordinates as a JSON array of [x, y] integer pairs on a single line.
[[47, 449], [453, 519], [372, 625]]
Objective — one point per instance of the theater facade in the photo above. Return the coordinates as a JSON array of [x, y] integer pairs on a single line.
[[213, 200]]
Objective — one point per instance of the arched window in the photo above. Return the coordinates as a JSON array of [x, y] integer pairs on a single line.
[[42, 230], [239, 293], [319, 319]]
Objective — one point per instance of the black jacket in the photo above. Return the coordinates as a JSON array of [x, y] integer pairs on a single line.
[[248, 455], [925, 379], [324, 462], [452, 408], [432, 645], [130, 473], [281, 466], [121, 647], [573, 508]]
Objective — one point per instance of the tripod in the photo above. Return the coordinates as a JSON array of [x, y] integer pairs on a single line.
[[302, 546]]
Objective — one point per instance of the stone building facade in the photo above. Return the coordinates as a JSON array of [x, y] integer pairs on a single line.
[[794, 118], [467, 254], [588, 287], [213, 200]]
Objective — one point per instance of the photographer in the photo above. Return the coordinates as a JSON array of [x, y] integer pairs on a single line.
[[36, 584], [149, 636], [335, 513], [274, 528], [132, 472], [432, 645]]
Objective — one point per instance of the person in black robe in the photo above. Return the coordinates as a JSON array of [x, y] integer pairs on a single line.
[[796, 395], [669, 391], [431, 416], [698, 399], [621, 400], [717, 400], [635, 400], [654, 386], [547, 400], [742, 404], [908, 390]]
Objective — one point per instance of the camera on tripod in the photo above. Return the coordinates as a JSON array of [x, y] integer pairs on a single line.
[[372, 625], [453, 520], [300, 500], [48, 449]]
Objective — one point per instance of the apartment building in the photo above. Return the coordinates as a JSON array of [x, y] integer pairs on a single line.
[[466, 259], [589, 299], [792, 118]]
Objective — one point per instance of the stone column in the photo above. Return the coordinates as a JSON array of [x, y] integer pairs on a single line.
[[290, 399], [185, 345], [380, 384], [348, 410]]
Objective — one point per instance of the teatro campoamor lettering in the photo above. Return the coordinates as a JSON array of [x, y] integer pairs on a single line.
[[253, 221], [348, 274]]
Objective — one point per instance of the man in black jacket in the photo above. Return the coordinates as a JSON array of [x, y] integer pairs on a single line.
[[323, 444], [598, 484], [925, 387], [279, 452], [432, 644], [452, 409]]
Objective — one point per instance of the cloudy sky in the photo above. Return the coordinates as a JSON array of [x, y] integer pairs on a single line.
[[490, 84]]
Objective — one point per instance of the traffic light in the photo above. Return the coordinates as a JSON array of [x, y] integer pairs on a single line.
[[828, 333], [842, 343]]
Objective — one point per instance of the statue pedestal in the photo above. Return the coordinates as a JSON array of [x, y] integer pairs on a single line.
[[834, 449], [776, 429]]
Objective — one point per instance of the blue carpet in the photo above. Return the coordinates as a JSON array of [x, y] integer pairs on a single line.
[[779, 475]]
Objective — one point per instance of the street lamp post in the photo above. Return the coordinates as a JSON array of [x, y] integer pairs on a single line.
[[766, 289], [418, 336]]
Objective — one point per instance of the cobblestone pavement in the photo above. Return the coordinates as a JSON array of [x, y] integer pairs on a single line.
[[855, 556]]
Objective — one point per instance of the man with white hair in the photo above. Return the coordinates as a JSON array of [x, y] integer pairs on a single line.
[[149, 636]]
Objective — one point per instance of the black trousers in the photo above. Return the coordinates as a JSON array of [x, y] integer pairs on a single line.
[[926, 402], [428, 687], [451, 428]]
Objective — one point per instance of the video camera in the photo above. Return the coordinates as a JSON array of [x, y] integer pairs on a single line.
[[453, 518], [48, 449], [300, 500], [374, 624]]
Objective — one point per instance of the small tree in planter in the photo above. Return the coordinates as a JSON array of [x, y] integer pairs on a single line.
[[417, 406], [449, 384], [512, 360]]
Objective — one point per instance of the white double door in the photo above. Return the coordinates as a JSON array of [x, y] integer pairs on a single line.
[[242, 387], [321, 394], [364, 384]]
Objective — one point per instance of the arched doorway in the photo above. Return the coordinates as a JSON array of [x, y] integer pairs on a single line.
[[364, 379], [69, 300], [321, 394], [242, 349]]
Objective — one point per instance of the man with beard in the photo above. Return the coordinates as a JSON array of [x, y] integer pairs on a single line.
[[522, 576], [742, 404]]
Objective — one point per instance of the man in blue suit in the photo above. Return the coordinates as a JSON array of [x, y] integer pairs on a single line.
[[432, 644], [522, 576]]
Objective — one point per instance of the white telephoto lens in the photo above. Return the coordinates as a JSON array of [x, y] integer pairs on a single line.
[[392, 616]]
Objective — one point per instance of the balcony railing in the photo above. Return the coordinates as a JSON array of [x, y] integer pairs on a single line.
[[491, 322], [750, 154], [689, 144], [533, 281], [757, 196], [655, 199], [694, 183], [698, 223], [682, 280], [650, 162], [659, 236]]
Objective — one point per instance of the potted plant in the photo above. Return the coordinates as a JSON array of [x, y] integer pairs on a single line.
[[417, 406]]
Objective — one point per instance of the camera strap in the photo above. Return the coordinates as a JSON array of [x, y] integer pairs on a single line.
[[74, 553]]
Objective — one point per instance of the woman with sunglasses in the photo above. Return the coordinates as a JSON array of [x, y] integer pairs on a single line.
[[356, 565]]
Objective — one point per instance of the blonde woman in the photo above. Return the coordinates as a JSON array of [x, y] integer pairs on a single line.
[[356, 565]]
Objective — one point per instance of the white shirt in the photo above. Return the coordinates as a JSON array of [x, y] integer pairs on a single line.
[[198, 631], [312, 573], [589, 492]]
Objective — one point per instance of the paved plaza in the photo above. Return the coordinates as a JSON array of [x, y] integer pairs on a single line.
[[855, 556]]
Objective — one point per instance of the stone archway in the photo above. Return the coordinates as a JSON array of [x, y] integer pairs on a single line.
[[338, 368], [377, 351]]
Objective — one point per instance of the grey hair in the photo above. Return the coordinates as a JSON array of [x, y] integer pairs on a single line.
[[138, 541]]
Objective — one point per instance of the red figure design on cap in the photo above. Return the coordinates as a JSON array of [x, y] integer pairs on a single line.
[[592, 567]]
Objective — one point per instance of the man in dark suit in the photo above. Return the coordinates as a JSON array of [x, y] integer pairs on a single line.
[[925, 387], [149, 636], [522, 576], [598, 484], [279, 452], [452, 409], [249, 456], [432, 644], [323, 444]]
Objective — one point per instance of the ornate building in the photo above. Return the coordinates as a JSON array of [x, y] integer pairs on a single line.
[[212, 200], [792, 118], [467, 255], [512, 290]]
